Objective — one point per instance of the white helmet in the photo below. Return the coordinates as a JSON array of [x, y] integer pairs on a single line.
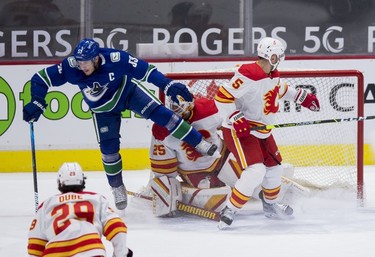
[[70, 174], [183, 108], [268, 47]]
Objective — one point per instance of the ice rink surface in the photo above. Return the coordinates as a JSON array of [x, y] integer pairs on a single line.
[[325, 224]]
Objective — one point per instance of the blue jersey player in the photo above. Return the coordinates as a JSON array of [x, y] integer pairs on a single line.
[[109, 82]]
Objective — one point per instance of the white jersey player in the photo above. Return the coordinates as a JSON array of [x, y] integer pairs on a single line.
[[251, 99], [72, 223]]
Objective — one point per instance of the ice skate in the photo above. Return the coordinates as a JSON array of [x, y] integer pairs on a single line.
[[206, 148], [121, 197], [226, 217], [276, 210]]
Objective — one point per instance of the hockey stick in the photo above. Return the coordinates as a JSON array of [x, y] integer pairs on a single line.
[[138, 195], [186, 208], [299, 188], [33, 159], [314, 122]]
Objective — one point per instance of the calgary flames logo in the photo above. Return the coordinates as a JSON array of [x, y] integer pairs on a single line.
[[190, 151], [270, 101]]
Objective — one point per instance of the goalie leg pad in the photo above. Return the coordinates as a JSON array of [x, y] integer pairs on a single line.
[[230, 172], [210, 199], [166, 192], [288, 170], [202, 179]]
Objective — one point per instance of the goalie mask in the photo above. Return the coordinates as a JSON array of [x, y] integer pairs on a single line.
[[70, 174], [272, 50], [183, 108]]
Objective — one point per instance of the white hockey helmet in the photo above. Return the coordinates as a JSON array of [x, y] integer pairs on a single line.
[[183, 108], [70, 174], [268, 47]]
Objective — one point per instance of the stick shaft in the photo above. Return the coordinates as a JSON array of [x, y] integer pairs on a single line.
[[150, 198], [33, 160], [314, 122], [197, 211]]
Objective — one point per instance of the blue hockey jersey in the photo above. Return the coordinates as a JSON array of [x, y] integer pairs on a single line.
[[103, 88]]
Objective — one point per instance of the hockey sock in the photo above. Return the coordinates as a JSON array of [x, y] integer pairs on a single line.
[[113, 170]]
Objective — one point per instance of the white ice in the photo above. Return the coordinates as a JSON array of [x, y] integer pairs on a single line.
[[328, 224]]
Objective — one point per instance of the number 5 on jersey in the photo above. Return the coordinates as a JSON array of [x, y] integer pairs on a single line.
[[237, 83]]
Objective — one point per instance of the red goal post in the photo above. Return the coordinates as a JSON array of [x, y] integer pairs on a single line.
[[326, 155]]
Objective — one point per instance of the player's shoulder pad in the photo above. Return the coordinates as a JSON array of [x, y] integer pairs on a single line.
[[203, 107], [252, 71], [115, 56], [111, 55], [72, 62]]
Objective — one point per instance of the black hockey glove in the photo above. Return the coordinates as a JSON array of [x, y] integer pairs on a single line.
[[174, 89], [33, 110]]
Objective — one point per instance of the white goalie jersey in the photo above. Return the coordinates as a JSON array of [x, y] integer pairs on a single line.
[[170, 155], [72, 224]]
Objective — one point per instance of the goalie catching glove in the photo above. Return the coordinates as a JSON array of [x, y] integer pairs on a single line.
[[307, 100], [240, 124]]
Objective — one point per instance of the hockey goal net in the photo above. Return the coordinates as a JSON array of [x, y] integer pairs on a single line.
[[324, 156]]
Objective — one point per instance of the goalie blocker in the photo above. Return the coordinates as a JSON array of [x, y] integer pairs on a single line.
[[167, 192]]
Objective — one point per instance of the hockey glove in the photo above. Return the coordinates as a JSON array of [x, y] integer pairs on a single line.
[[240, 124], [159, 132], [176, 90], [307, 100], [33, 110]]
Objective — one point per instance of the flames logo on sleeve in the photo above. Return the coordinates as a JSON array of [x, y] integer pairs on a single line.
[[190, 151], [270, 101]]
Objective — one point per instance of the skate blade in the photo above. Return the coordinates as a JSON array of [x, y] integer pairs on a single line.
[[222, 225]]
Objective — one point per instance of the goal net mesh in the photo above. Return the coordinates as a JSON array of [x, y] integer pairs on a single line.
[[325, 155]]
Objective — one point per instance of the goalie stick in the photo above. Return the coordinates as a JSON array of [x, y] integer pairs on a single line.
[[33, 160], [185, 208], [314, 122], [299, 188]]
